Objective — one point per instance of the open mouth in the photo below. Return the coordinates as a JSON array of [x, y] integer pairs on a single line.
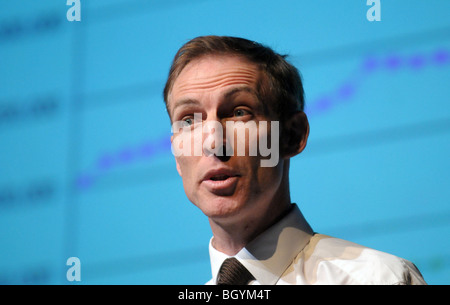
[[220, 174], [219, 177], [221, 182]]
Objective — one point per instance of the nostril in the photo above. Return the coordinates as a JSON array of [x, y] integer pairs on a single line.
[[225, 154]]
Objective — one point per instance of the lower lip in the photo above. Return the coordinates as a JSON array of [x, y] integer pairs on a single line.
[[221, 187]]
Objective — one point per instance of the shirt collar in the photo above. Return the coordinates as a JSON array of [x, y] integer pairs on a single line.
[[271, 253]]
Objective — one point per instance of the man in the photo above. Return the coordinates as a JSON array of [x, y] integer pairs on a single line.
[[259, 235]]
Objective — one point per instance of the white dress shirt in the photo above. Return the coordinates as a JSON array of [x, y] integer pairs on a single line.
[[290, 253]]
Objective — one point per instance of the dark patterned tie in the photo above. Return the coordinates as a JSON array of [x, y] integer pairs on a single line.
[[232, 272]]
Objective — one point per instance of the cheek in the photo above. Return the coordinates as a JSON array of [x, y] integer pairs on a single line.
[[184, 166], [254, 138], [187, 142], [243, 138], [188, 169], [268, 179]]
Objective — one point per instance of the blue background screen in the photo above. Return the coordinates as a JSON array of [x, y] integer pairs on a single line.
[[86, 168]]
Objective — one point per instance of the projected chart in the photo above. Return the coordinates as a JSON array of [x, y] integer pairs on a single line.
[[86, 168]]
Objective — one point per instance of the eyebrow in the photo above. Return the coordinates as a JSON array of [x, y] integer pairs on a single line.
[[185, 102], [179, 103], [236, 90]]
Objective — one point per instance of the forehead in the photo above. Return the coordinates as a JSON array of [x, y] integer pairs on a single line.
[[214, 73]]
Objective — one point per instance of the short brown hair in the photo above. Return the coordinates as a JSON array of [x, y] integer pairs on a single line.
[[283, 88]]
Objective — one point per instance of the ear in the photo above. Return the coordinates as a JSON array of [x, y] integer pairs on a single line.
[[294, 135], [176, 160]]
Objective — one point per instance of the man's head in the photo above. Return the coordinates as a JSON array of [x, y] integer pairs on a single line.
[[279, 86], [226, 79]]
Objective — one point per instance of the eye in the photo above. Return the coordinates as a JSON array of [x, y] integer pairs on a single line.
[[191, 119], [188, 121], [240, 112]]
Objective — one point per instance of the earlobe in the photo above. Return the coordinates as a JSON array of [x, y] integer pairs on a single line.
[[295, 135]]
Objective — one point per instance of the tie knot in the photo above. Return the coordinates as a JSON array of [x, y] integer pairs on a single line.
[[232, 272]]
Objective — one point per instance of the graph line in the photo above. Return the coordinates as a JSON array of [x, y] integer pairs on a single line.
[[391, 63]]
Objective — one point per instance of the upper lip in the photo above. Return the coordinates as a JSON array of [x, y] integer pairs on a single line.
[[219, 172]]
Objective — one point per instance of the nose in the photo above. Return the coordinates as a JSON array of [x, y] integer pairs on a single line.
[[224, 157], [214, 141]]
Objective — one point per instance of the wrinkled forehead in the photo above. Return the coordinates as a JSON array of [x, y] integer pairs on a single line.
[[212, 74]]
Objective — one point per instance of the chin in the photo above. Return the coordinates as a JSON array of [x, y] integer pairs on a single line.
[[220, 206]]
